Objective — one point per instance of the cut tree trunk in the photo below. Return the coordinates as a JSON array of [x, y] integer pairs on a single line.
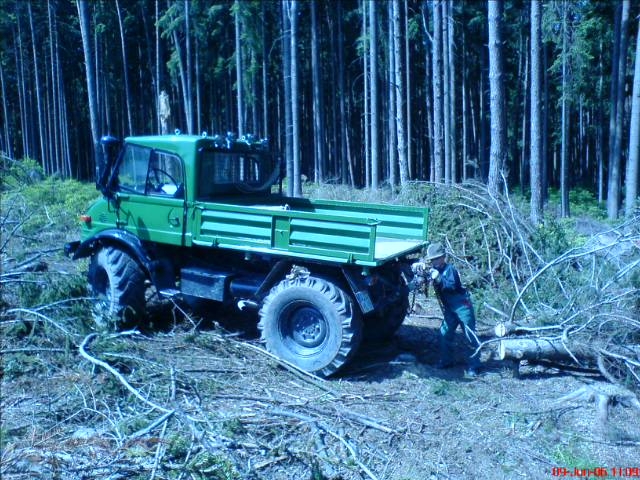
[[540, 349]]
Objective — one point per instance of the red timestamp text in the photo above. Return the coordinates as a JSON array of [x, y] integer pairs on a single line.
[[598, 472]]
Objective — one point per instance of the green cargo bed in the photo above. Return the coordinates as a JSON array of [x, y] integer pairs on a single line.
[[341, 232]]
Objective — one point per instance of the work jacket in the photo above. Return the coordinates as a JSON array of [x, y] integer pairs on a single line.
[[449, 288]]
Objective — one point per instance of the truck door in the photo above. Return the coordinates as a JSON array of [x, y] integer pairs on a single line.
[[151, 196]]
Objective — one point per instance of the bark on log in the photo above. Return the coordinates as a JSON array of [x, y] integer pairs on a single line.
[[540, 349]]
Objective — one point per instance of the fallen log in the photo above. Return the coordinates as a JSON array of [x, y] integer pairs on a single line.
[[508, 328], [541, 349]]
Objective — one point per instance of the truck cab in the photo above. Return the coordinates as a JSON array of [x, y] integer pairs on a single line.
[[153, 181]]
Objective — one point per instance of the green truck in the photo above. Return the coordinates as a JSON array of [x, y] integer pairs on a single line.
[[205, 217]]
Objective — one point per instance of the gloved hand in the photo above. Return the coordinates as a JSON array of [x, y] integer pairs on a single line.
[[435, 275], [418, 268]]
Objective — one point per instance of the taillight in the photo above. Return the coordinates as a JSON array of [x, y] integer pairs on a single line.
[[86, 219]]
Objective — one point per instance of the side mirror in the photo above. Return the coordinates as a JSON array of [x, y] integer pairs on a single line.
[[105, 162]]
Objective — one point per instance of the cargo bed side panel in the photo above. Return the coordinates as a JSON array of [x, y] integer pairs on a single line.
[[307, 230]]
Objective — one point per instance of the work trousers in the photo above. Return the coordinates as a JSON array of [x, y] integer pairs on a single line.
[[464, 316]]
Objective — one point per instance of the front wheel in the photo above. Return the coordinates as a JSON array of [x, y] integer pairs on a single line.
[[311, 323], [118, 284]]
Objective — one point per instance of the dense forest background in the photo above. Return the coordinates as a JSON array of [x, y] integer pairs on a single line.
[[530, 96]]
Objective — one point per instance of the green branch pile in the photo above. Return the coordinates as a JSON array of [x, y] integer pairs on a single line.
[[580, 275]]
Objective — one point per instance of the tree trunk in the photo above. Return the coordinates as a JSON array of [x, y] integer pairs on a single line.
[[83, 15], [438, 127], [157, 67], [613, 194], [333, 132], [266, 132], [399, 94], [408, 96], [286, 72], [535, 145], [631, 178], [537, 349], [7, 147], [55, 91], [525, 123], [452, 91], [613, 85], [239, 68], [197, 82], [184, 65], [342, 88], [446, 100], [373, 90], [484, 116], [393, 131], [125, 68], [498, 146], [465, 112], [318, 98], [63, 130], [21, 80], [428, 90], [188, 67], [146, 120], [295, 114], [545, 126], [36, 76], [564, 147], [48, 119], [366, 114]]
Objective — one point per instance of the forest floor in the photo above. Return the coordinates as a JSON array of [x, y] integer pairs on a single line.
[[194, 400], [184, 403]]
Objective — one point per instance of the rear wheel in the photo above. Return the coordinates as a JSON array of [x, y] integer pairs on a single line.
[[118, 284], [311, 323]]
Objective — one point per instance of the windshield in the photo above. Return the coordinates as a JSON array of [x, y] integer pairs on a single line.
[[223, 172]]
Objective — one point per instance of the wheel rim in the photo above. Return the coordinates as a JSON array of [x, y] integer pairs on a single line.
[[303, 329]]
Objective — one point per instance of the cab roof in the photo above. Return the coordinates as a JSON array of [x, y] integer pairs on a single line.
[[188, 144]]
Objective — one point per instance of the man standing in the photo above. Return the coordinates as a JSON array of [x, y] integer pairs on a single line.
[[456, 304]]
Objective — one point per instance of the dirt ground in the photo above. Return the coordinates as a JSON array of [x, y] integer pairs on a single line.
[[208, 403]]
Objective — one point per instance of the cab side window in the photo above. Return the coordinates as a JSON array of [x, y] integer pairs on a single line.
[[132, 174], [166, 175]]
